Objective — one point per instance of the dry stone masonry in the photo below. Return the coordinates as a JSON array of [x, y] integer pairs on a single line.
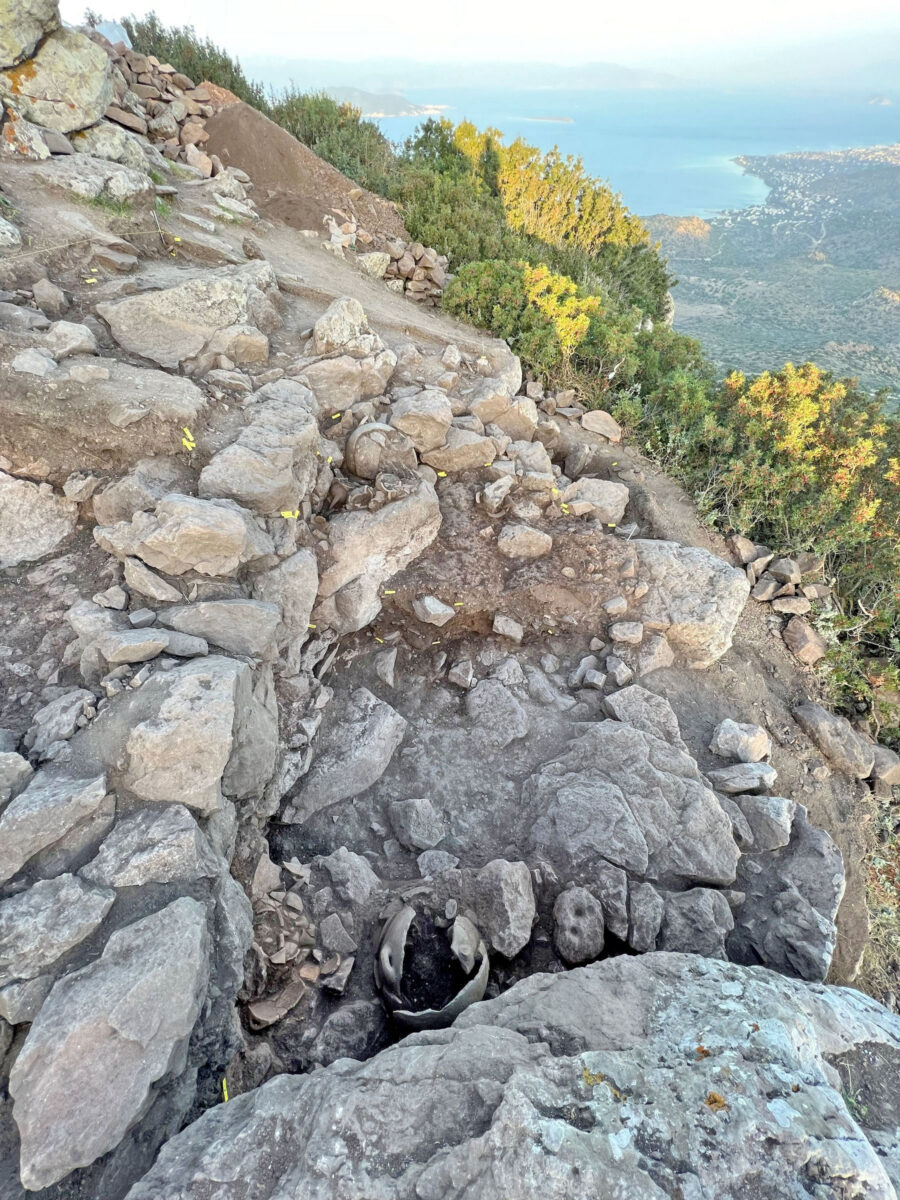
[[345, 685]]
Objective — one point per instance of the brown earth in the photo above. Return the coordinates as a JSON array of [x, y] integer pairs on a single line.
[[291, 183]]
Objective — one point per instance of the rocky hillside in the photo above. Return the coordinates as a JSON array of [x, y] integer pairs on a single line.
[[400, 793]]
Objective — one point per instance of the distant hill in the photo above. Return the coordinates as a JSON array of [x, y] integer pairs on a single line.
[[388, 77], [379, 104]]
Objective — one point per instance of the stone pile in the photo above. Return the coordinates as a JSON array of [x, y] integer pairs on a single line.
[[789, 587], [417, 271]]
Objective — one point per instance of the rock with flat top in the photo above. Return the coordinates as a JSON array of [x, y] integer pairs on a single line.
[[417, 824], [116, 1026], [176, 325], [598, 421], [67, 85], [504, 904], [837, 739], [46, 812], [153, 845], [425, 418], [344, 329], [697, 921], [15, 771], [41, 925], [34, 519], [214, 537], [743, 777], [238, 626], [803, 641], [357, 755], [433, 611], [747, 743], [523, 541], [463, 450]]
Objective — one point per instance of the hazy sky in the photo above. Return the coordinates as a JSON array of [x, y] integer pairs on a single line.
[[652, 31]]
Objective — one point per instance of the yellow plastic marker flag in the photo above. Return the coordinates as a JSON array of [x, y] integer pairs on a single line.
[[390, 592], [334, 416], [224, 1089], [611, 526], [436, 642], [380, 641], [311, 627], [331, 458], [442, 474], [90, 281], [457, 603], [554, 491], [178, 239], [290, 516]]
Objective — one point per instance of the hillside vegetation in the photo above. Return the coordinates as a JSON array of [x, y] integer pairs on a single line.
[[550, 259]]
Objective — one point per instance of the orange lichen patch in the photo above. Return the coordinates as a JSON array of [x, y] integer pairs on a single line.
[[17, 76], [716, 1102], [702, 1052]]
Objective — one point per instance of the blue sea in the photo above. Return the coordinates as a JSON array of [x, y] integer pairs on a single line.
[[669, 151]]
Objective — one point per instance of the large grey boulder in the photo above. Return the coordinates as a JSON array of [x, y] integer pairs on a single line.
[[292, 586], [694, 598], [180, 752], [344, 329], [238, 626], [696, 922], [504, 904], [66, 86], [22, 25], [175, 325], [622, 795], [33, 520], [116, 1027], [602, 499], [39, 926], [425, 418], [587, 1083], [747, 743], [92, 178], [342, 381], [153, 845], [366, 548], [356, 755], [837, 739], [48, 810], [144, 485], [214, 537], [272, 465], [791, 900]]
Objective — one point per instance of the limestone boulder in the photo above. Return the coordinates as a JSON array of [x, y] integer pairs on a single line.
[[38, 927], [747, 743], [578, 926], [425, 418], [694, 598], [110, 141], [523, 541], [627, 797], [117, 1026], [272, 466], [837, 739], [147, 482], [213, 537], [511, 1077], [344, 329], [355, 757], [174, 326], [180, 751], [504, 904], [792, 895], [33, 520], [92, 178], [463, 450], [153, 845], [22, 25], [67, 85], [15, 772], [365, 549], [697, 921], [601, 499], [50, 809], [291, 586], [238, 626], [343, 381]]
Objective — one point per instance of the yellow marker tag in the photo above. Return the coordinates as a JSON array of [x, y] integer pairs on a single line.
[[90, 280], [488, 464], [442, 474], [311, 627], [330, 458], [611, 526], [436, 642], [564, 507], [549, 630], [224, 1089], [188, 444], [334, 416], [457, 603], [554, 491], [290, 516], [615, 464], [391, 592], [380, 641], [178, 239]]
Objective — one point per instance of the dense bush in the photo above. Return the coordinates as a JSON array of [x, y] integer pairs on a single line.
[[337, 133]]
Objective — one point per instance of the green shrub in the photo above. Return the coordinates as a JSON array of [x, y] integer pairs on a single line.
[[337, 133]]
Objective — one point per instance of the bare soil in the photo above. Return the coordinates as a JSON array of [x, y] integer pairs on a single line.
[[292, 184]]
